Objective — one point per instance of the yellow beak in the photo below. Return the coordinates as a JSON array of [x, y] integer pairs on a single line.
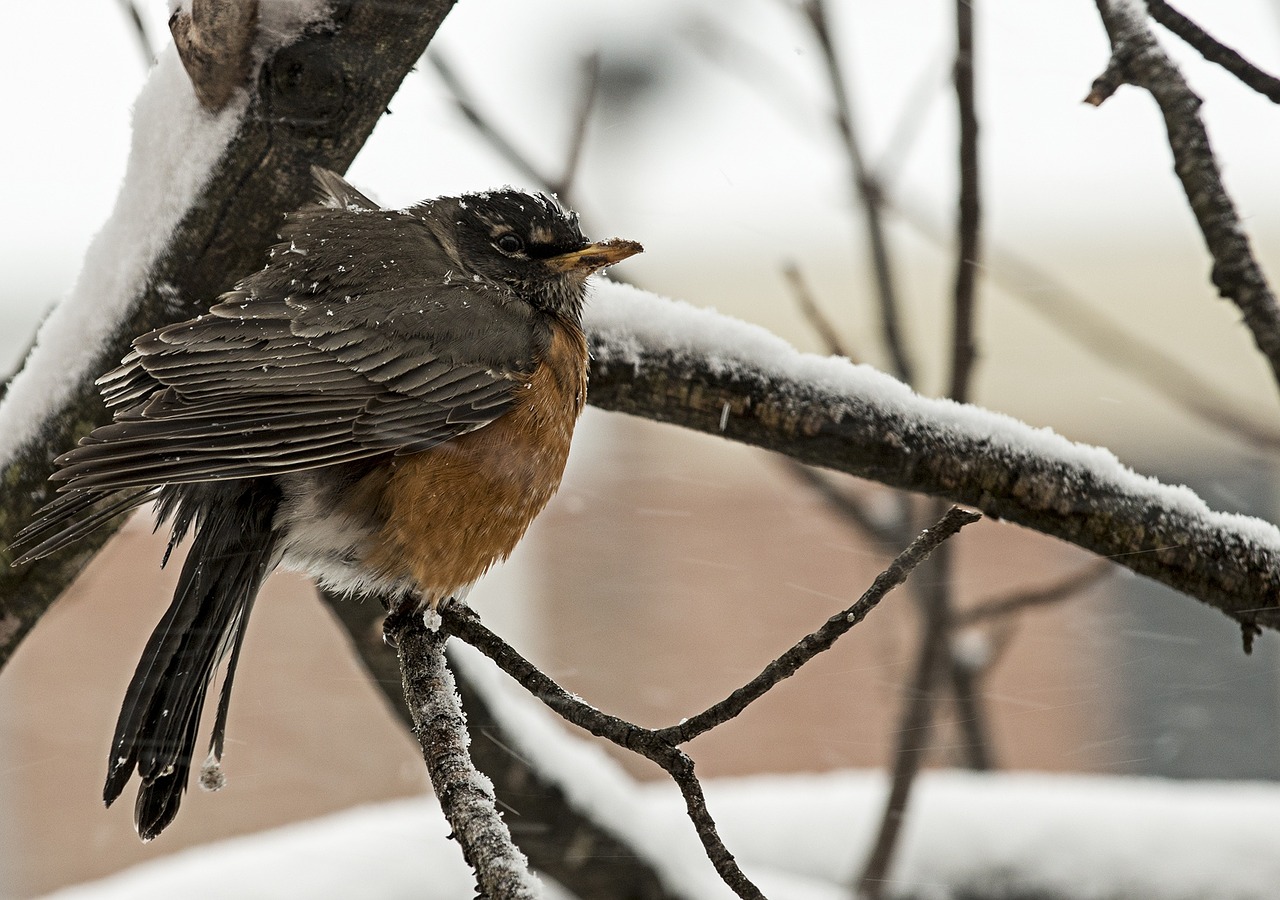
[[594, 256]]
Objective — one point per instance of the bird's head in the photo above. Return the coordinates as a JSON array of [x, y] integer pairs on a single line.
[[528, 242]]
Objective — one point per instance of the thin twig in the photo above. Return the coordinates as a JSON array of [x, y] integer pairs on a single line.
[[661, 746], [471, 112], [867, 192], [563, 187], [680, 768], [916, 724], [969, 211], [1138, 59], [465, 796], [461, 622], [1017, 601], [139, 29], [1214, 50], [813, 313], [964, 354], [885, 534], [1108, 340], [786, 665]]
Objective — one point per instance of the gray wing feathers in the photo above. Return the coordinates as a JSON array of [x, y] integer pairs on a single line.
[[301, 366]]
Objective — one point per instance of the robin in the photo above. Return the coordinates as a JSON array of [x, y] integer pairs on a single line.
[[387, 405]]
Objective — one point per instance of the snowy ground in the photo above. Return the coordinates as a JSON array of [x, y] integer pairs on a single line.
[[1004, 835]]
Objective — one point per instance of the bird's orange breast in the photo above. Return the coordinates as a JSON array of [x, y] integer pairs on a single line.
[[453, 511]]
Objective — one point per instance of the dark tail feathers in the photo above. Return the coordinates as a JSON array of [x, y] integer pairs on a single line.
[[232, 553]]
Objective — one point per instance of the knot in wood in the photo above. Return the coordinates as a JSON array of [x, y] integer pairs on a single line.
[[303, 86]]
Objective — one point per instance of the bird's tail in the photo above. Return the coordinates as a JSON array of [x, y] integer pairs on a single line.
[[232, 553]]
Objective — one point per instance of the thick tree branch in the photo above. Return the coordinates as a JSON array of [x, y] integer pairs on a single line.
[[1078, 495], [465, 796], [215, 41], [1137, 58], [316, 101]]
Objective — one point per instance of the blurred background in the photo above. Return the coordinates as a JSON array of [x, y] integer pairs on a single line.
[[672, 566]]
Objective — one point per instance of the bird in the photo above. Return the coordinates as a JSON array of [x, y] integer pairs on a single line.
[[387, 404]]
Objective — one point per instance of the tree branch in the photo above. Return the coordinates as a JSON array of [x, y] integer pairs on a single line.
[[1017, 601], [316, 101], [548, 823], [1138, 59], [867, 191], [661, 745], [215, 40], [466, 797], [1214, 50], [870, 429]]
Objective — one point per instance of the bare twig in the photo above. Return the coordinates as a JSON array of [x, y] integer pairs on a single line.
[[1138, 59], [1214, 50], [661, 745], [969, 212], [813, 313], [214, 40], [786, 665], [461, 622], [1108, 340], [471, 112], [563, 187], [885, 534], [139, 29], [867, 192], [916, 724], [1086, 577], [465, 796]]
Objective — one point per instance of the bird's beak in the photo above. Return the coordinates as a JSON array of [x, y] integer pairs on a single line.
[[594, 257]]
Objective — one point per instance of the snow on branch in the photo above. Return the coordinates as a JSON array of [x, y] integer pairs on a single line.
[[203, 197], [669, 361], [466, 796]]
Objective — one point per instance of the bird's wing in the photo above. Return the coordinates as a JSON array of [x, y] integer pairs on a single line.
[[357, 339]]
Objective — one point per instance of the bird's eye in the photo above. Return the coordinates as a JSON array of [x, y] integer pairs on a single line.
[[509, 243]]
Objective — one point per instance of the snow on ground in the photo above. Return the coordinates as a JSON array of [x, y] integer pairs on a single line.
[[799, 837], [997, 835]]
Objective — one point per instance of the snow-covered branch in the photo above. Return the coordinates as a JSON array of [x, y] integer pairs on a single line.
[[466, 796], [668, 361], [202, 198]]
